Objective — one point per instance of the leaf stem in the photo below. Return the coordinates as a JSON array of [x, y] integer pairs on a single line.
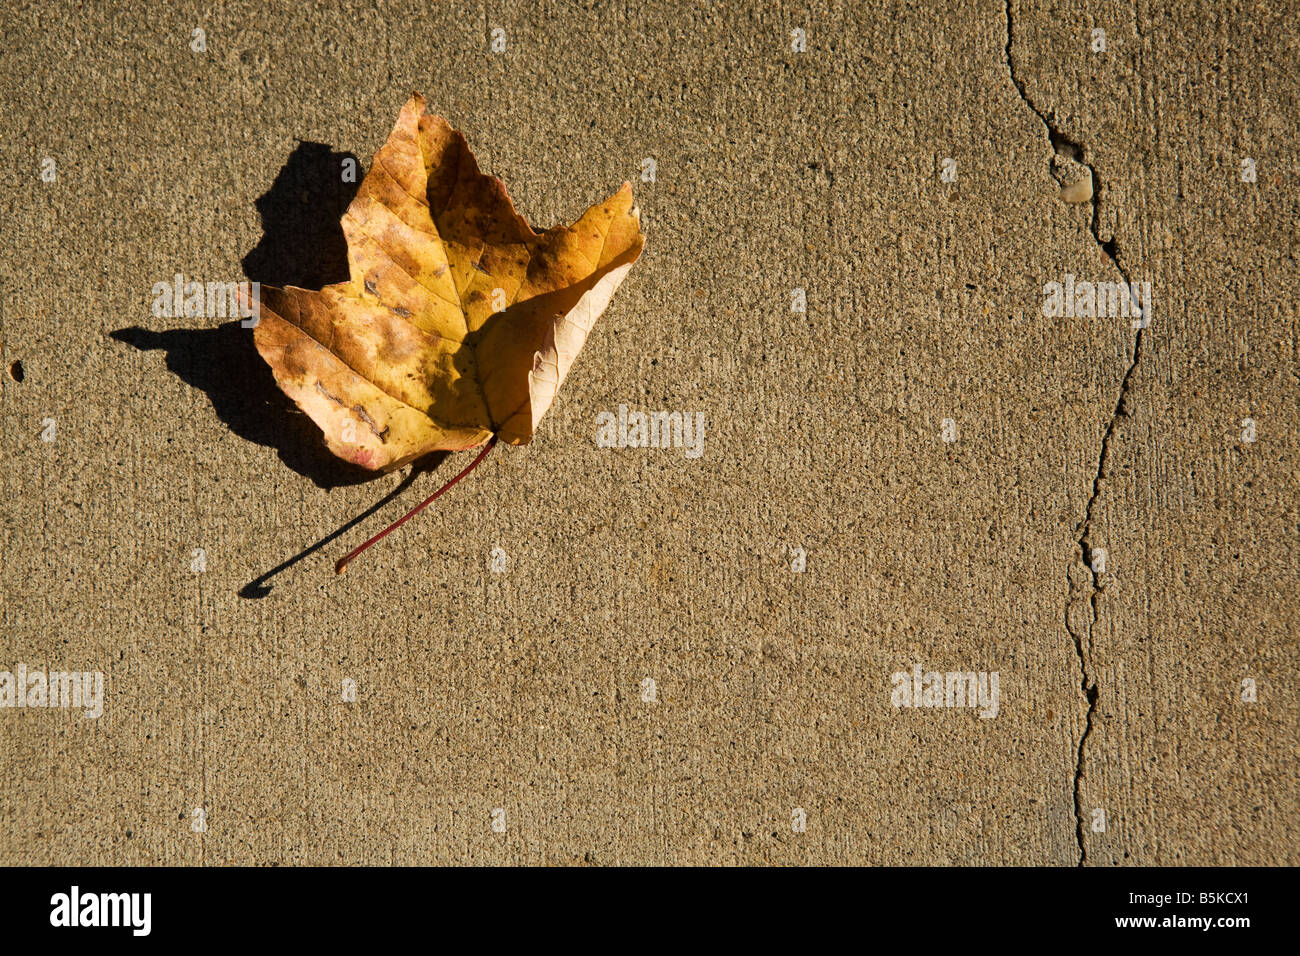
[[344, 561]]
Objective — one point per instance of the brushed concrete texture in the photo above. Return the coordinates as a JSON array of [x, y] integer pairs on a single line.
[[524, 691]]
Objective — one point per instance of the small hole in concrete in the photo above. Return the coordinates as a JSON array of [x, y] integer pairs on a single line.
[[16, 371]]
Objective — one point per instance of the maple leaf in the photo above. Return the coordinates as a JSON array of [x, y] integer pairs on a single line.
[[459, 322]]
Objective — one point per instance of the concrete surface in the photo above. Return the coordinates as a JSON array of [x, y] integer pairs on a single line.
[[518, 700]]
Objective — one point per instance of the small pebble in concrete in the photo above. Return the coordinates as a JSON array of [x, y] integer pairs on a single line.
[[1078, 191]]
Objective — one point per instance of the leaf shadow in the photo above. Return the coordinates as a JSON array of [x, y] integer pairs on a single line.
[[259, 587], [302, 240], [302, 244], [223, 363]]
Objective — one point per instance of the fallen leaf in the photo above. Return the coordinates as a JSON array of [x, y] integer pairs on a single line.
[[459, 323]]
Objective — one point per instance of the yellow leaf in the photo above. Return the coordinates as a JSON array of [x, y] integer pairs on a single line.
[[459, 322]]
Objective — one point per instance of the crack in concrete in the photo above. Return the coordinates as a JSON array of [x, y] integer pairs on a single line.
[[1065, 146]]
